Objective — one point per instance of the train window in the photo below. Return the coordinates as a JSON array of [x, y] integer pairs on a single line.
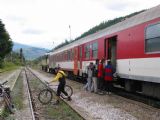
[[80, 55], [69, 55], [60, 57], [72, 54], [152, 40], [87, 51], [63, 56], [94, 50]]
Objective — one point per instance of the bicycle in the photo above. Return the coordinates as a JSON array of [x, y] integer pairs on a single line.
[[5, 94], [46, 95]]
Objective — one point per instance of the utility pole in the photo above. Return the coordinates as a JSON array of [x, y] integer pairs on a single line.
[[70, 31]]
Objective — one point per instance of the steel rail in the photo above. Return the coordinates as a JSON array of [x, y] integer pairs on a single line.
[[30, 97], [60, 98]]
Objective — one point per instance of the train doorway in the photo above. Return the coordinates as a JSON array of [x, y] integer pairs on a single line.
[[110, 50]]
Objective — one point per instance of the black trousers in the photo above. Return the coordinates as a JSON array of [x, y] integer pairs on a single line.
[[61, 89], [100, 83], [108, 85]]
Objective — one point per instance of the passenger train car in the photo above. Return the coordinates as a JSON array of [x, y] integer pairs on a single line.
[[133, 45]]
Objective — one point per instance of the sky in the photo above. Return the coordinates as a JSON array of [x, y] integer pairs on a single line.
[[45, 23]]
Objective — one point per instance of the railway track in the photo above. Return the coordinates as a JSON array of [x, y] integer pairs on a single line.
[[82, 98], [137, 97], [36, 106], [33, 109], [31, 101]]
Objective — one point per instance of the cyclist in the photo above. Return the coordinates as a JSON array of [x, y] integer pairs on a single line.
[[62, 82]]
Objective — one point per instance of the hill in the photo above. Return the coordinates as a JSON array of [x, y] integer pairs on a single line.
[[29, 52]]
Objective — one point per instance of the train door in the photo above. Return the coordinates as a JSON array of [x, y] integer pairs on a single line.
[[110, 50], [75, 61]]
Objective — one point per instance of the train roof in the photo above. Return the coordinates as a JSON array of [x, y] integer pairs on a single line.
[[145, 16]]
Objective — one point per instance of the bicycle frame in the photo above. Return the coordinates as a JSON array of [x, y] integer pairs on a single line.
[[5, 94], [55, 86], [45, 96]]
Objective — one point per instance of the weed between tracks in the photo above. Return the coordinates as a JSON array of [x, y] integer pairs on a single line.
[[17, 94]]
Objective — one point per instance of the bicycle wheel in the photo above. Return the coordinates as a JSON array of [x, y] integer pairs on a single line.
[[69, 90], [45, 96], [9, 105]]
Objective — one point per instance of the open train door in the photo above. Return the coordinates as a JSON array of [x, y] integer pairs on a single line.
[[75, 61], [110, 50]]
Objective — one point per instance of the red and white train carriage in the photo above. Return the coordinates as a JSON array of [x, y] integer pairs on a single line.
[[133, 46]]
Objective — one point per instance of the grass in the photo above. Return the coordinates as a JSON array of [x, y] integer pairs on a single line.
[[8, 66], [62, 112], [17, 99], [17, 94], [4, 114]]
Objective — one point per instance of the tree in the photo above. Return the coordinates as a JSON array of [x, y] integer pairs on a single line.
[[21, 53], [5, 43], [22, 58]]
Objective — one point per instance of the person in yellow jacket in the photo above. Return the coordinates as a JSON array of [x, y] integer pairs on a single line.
[[62, 82]]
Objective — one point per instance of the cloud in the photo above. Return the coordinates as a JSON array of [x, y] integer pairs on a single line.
[[119, 6], [32, 31], [15, 18], [40, 22]]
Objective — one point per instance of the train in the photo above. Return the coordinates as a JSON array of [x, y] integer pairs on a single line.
[[132, 45]]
